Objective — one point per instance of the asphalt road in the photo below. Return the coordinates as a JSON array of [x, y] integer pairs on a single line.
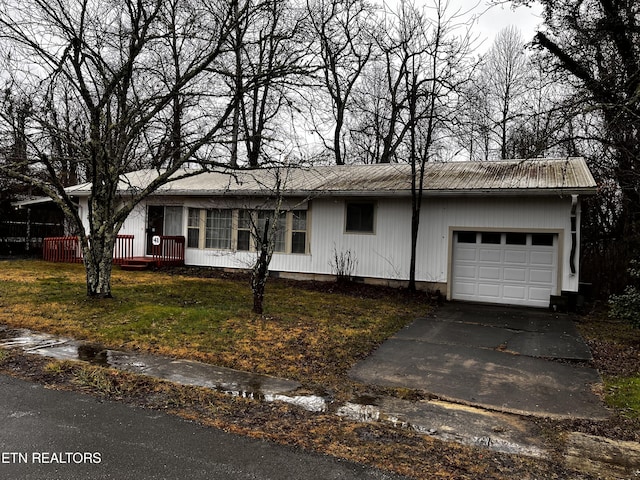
[[48, 434]]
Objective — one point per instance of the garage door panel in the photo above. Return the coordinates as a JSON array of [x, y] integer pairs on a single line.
[[512, 292], [490, 255], [489, 291], [467, 254], [467, 271], [515, 275], [541, 276], [540, 294], [521, 274], [489, 273], [466, 288], [542, 258], [519, 257]]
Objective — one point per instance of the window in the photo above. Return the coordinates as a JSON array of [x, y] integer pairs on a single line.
[[227, 229], [516, 238], [173, 221], [243, 241], [360, 217], [193, 228], [467, 237], [299, 231], [218, 231], [491, 238], [542, 239]]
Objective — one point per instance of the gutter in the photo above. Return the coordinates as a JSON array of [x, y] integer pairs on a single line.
[[377, 193]]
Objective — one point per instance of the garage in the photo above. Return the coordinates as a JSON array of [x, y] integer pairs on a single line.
[[518, 268]]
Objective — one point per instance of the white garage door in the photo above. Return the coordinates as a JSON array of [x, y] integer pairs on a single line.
[[510, 268]]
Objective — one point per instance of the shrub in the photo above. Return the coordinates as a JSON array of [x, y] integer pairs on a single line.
[[343, 265], [626, 306]]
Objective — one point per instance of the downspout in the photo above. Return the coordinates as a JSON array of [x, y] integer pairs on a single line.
[[574, 233]]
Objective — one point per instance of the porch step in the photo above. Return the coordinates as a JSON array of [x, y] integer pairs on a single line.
[[138, 263], [145, 263], [134, 266]]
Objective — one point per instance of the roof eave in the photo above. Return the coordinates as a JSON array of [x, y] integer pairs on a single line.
[[386, 193], [506, 192]]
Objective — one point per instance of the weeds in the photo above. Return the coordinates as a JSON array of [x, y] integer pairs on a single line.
[[98, 379], [624, 395], [54, 368], [343, 265]]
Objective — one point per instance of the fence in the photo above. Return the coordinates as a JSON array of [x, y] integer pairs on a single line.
[[26, 236]]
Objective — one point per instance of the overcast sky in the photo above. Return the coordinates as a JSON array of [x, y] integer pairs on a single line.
[[497, 17]]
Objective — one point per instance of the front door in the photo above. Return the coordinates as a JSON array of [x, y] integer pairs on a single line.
[[155, 225]]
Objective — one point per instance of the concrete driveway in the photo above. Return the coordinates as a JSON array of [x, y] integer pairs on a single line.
[[511, 359]]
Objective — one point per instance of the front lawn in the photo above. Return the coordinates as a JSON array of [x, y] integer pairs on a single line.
[[307, 333]]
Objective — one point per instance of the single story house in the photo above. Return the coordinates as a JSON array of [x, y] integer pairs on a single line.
[[501, 232]]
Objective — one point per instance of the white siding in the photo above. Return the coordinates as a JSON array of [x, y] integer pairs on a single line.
[[386, 252], [383, 254], [136, 225], [441, 216]]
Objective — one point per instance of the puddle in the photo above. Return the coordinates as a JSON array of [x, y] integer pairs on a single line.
[[447, 422], [185, 372]]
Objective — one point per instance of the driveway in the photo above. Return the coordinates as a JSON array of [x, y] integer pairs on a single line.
[[519, 360]]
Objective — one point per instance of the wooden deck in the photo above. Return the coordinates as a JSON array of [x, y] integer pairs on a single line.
[[168, 252]]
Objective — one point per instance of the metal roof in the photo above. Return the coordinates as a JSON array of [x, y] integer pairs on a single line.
[[521, 177]]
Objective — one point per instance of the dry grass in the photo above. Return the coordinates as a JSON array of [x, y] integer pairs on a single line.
[[309, 335]]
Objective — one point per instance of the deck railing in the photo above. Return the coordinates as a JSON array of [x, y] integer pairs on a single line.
[[123, 249], [170, 251], [68, 250], [62, 249]]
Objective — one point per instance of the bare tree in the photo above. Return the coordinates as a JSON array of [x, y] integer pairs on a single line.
[[147, 80], [595, 42], [343, 31], [370, 112], [264, 221], [473, 126], [545, 126], [382, 96], [268, 45], [14, 113], [506, 71], [436, 70], [264, 231]]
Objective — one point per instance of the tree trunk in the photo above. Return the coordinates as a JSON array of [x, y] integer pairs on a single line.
[[337, 146], [98, 262], [415, 225], [258, 297], [260, 272]]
